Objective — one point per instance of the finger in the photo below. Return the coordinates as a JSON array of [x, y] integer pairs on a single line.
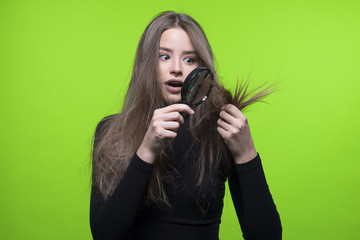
[[222, 132], [179, 107], [165, 130], [160, 116], [225, 125], [227, 117], [172, 126], [232, 110], [173, 116], [168, 134]]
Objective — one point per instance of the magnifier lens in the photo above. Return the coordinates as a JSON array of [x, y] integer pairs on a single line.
[[197, 86]]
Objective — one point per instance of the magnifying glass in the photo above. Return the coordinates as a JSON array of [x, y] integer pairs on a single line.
[[197, 86]]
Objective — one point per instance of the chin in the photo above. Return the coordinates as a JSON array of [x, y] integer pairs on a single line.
[[173, 99], [176, 99]]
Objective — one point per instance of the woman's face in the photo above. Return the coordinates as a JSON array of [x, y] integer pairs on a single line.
[[177, 58]]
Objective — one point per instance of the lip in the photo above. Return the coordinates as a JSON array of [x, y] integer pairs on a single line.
[[174, 85]]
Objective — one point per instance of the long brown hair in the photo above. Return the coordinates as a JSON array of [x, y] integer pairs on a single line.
[[114, 148]]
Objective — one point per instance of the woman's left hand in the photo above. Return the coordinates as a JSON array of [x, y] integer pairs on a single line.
[[234, 129]]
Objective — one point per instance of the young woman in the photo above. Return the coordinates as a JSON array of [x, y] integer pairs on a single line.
[[159, 167]]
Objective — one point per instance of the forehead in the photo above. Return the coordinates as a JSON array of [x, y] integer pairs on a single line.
[[176, 38]]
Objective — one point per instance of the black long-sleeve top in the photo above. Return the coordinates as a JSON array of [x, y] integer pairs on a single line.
[[124, 216]]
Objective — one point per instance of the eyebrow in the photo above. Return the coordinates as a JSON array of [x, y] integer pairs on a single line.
[[170, 50]]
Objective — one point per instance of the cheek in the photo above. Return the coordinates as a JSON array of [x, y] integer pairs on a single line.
[[161, 72], [190, 69]]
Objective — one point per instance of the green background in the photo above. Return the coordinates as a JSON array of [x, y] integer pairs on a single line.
[[65, 64]]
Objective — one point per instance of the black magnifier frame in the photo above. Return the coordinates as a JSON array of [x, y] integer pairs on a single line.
[[191, 79]]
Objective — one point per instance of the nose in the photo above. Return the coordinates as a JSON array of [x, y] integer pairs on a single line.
[[176, 68]]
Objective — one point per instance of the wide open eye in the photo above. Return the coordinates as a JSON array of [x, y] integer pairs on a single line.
[[190, 60], [164, 57]]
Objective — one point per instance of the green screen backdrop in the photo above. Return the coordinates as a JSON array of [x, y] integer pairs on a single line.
[[66, 64]]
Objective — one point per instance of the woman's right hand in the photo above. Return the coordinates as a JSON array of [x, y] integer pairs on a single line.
[[163, 126]]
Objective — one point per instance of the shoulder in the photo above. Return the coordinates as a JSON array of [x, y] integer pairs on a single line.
[[104, 123], [103, 126]]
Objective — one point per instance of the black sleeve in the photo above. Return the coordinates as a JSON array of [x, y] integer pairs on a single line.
[[253, 202], [113, 218]]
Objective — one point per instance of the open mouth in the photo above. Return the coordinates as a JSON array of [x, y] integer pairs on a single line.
[[174, 83]]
